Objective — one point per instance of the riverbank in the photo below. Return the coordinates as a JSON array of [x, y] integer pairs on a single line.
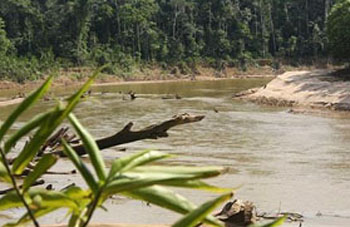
[[303, 90], [13, 93], [77, 76]]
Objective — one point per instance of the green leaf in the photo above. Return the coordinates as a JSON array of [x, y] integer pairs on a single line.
[[29, 126], [52, 199], [130, 181], [39, 138], [165, 198], [48, 127], [197, 215], [4, 176], [277, 222], [127, 163], [28, 102], [79, 164], [76, 193], [10, 200], [91, 147], [80, 196], [197, 184], [37, 214], [204, 172], [45, 163], [47, 199], [200, 172], [162, 197]]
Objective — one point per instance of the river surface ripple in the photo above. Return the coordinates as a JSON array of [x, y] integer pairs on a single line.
[[282, 161]]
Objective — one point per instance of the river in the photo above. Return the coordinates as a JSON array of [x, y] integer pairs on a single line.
[[280, 161]]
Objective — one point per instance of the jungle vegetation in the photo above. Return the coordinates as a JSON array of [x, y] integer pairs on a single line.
[[37, 35]]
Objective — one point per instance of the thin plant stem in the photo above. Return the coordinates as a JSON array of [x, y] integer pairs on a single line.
[[92, 209], [15, 186]]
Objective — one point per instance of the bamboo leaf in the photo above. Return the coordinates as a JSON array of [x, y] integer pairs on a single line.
[[4, 174], [165, 198], [80, 196], [277, 222], [198, 184], [162, 197], [84, 171], [197, 215], [37, 214], [10, 200], [29, 126], [45, 163], [205, 172], [91, 147], [39, 138], [131, 181], [48, 199], [76, 193], [28, 102], [127, 163]]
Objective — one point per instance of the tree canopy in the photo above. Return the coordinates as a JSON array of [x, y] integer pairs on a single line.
[[81, 32], [338, 31]]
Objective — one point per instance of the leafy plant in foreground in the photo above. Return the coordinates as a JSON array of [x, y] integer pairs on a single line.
[[130, 176]]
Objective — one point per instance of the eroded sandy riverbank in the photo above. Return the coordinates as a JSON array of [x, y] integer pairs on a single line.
[[316, 89]]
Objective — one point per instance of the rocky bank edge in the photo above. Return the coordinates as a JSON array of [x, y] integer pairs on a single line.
[[305, 89]]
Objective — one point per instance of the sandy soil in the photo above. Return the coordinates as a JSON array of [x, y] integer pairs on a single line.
[[303, 89], [10, 102]]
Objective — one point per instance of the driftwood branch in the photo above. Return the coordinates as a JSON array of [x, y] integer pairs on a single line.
[[126, 135]]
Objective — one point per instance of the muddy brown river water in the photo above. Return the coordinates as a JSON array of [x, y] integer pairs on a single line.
[[282, 161]]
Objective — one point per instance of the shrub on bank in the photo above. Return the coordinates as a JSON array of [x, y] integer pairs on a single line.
[[338, 32]]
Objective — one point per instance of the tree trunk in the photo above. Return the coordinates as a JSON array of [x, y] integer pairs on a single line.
[[273, 35]]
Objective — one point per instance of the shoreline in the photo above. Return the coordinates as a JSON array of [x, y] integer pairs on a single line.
[[111, 80], [11, 93], [315, 92], [154, 74]]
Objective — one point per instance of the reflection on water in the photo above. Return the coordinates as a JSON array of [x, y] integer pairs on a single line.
[[284, 161]]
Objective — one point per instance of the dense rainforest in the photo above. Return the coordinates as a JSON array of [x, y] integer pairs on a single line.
[[36, 35]]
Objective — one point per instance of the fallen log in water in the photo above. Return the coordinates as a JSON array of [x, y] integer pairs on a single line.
[[126, 135]]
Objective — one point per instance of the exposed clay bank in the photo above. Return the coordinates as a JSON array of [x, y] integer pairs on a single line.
[[306, 89]]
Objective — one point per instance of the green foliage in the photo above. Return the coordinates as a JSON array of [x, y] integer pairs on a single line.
[[5, 43], [275, 223], [45, 163], [195, 216], [338, 32], [131, 176], [127, 34]]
